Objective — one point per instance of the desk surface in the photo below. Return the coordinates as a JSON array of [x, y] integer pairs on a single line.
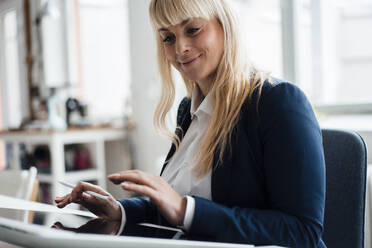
[[30, 235]]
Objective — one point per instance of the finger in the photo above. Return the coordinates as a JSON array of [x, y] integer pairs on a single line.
[[90, 199], [61, 198], [122, 176], [77, 192], [140, 189], [64, 202], [134, 176]]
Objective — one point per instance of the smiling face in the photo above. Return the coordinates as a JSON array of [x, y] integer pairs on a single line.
[[194, 47]]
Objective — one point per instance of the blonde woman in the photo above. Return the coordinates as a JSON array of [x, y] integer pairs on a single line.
[[246, 164]]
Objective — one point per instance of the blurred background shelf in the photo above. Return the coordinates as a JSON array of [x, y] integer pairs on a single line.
[[95, 139]]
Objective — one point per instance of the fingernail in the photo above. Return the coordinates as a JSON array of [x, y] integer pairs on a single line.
[[114, 175], [124, 184]]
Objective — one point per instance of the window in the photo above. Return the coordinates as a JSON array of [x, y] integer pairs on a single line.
[[10, 70], [331, 55], [103, 47], [10, 80], [261, 26], [342, 55]]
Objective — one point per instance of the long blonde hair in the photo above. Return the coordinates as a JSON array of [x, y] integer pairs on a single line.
[[235, 80]]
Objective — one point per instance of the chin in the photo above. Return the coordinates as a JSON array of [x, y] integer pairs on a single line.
[[193, 77]]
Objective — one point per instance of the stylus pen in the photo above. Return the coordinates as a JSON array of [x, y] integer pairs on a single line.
[[102, 197]]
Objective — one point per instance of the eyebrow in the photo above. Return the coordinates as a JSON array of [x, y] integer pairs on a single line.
[[183, 23]]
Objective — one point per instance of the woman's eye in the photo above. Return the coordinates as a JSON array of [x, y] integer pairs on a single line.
[[168, 38], [192, 30]]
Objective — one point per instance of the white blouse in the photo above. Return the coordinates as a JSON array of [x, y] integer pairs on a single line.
[[179, 172]]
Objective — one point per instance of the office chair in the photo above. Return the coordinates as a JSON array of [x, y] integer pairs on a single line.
[[19, 184], [346, 164]]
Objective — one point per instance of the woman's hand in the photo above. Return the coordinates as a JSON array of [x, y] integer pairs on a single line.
[[108, 209], [171, 205]]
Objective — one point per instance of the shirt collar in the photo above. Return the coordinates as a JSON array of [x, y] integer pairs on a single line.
[[206, 105]]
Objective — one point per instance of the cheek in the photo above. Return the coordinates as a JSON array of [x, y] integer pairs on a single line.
[[218, 46], [214, 47], [169, 54]]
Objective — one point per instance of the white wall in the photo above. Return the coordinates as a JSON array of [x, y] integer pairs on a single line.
[[144, 85]]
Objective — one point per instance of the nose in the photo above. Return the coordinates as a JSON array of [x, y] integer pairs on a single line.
[[182, 46]]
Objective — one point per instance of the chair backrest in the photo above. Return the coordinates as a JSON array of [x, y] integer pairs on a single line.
[[18, 184], [346, 164]]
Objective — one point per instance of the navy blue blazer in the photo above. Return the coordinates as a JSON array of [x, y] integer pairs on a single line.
[[270, 187]]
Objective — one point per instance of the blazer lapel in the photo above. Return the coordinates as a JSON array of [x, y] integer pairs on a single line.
[[184, 121]]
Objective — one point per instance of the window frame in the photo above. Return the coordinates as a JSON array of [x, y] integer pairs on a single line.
[[290, 40]]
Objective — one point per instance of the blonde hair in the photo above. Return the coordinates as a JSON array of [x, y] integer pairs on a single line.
[[235, 80]]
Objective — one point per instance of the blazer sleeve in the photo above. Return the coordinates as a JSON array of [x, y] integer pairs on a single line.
[[294, 170], [139, 209]]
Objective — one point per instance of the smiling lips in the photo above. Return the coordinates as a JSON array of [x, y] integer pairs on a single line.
[[189, 61]]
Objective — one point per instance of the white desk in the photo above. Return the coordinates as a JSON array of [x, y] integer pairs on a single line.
[[56, 141], [28, 235]]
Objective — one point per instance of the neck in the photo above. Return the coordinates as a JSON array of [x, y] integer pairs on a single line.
[[206, 84]]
